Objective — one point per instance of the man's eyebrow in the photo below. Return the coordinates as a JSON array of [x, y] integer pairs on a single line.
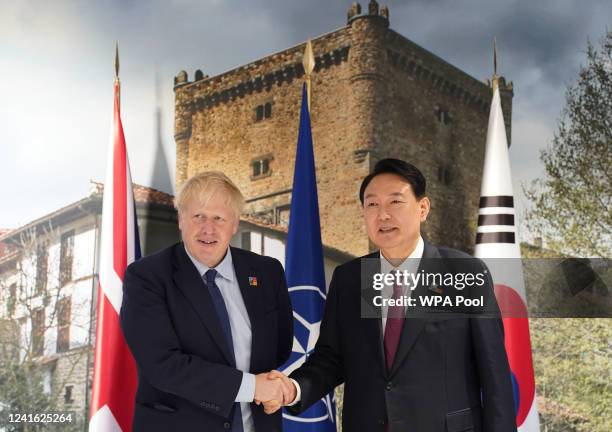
[[394, 194]]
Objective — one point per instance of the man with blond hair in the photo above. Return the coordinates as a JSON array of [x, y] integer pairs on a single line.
[[205, 321]]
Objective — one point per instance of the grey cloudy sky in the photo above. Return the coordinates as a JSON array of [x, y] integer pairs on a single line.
[[56, 66]]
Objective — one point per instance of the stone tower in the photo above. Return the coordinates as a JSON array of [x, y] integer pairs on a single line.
[[375, 94]]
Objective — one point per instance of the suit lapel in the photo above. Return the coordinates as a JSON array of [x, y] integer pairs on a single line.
[[372, 323], [253, 301], [413, 326], [189, 281]]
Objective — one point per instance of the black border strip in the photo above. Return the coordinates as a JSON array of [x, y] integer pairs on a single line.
[[497, 201], [495, 237], [496, 219]]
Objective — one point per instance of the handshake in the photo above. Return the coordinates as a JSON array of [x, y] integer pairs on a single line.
[[274, 390]]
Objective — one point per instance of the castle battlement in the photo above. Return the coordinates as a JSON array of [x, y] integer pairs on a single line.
[[375, 94]]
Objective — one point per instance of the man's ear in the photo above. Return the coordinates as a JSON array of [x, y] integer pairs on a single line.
[[424, 206], [236, 224]]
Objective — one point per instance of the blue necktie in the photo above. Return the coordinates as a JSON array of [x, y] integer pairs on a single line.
[[217, 299]]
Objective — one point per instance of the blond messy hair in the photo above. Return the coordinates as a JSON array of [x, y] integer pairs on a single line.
[[204, 185]]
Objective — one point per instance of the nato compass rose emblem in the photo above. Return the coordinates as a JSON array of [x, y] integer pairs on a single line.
[[308, 303]]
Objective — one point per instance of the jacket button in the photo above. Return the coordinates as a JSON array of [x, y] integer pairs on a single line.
[[227, 425], [389, 385]]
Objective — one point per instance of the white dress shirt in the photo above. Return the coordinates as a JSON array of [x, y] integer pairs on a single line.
[[240, 324]]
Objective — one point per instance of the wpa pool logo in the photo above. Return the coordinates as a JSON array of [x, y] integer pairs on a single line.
[[308, 302]]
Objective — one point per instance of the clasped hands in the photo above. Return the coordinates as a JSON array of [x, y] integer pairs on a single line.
[[274, 390]]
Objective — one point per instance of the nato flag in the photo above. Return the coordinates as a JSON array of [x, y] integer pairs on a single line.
[[306, 276]]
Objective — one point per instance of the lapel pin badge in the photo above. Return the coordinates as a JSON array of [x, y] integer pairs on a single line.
[[252, 281]]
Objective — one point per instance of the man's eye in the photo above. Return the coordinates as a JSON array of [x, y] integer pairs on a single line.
[[372, 204]]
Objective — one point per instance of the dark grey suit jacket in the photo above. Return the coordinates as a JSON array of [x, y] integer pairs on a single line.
[[450, 373]]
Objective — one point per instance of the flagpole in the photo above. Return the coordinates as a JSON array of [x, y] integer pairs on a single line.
[[495, 79], [309, 64], [499, 247], [115, 374], [304, 265], [117, 82]]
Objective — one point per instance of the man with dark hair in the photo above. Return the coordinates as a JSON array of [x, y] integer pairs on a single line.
[[431, 373], [411, 175]]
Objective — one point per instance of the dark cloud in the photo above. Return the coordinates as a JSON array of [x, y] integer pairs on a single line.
[[71, 44]]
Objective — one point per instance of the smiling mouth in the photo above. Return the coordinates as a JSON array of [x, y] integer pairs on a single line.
[[386, 230], [207, 242]]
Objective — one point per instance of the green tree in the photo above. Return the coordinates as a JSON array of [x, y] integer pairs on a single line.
[[572, 361], [572, 205], [573, 369], [27, 313]]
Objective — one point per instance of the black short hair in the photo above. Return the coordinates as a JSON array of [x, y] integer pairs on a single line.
[[405, 170]]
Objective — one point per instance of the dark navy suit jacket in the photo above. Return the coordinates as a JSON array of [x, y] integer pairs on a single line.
[[185, 381]]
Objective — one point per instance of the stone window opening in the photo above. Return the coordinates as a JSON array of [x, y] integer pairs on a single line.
[[66, 257], [282, 215], [68, 399], [263, 111], [260, 166], [443, 116], [444, 175]]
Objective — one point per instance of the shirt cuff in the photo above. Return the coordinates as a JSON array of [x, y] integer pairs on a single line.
[[246, 392], [298, 393]]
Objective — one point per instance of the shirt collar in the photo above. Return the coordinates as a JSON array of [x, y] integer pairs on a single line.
[[225, 268], [408, 263]]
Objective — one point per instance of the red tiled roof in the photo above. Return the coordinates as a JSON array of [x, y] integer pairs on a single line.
[[262, 224], [142, 194], [147, 194]]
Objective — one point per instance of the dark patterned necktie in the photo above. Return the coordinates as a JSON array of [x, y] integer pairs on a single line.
[[393, 328], [224, 320]]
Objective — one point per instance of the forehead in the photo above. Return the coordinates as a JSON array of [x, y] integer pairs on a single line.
[[211, 201], [387, 184]]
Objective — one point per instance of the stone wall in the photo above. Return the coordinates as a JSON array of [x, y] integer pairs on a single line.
[[71, 370], [375, 94]]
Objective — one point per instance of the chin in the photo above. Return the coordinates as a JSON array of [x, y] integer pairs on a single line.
[[203, 258], [386, 242]]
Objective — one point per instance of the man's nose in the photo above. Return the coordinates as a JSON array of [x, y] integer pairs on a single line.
[[207, 226], [383, 214]]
